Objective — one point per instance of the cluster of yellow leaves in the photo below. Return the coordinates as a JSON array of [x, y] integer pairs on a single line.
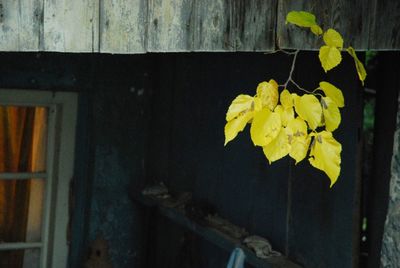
[[330, 53], [287, 124]]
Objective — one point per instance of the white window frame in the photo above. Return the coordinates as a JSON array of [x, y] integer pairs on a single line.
[[62, 107]]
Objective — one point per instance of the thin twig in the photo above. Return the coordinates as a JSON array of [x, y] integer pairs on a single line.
[[291, 69], [299, 87], [290, 78]]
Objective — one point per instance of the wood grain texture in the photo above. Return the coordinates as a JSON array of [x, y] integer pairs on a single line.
[[20, 25], [169, 23], [254, 24], [123, 26], [71, 26], [234, 25], [212, 26], [350, 18], [385, 25]]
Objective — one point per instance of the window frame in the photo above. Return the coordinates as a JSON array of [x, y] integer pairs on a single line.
[[62, 117]]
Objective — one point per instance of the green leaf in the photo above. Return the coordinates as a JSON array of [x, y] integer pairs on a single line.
[[301, 18], [333, 39], [332, 92], [362, 73], [268, 93], [240, 104], [325, 155], [234, 126], [315, 29], [309, 109], [330, 57], [279, 147], [265, 127], [331, 114]]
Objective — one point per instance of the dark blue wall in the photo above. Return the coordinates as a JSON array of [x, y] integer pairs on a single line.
[[111, 137], [290, 205], [158, 117]]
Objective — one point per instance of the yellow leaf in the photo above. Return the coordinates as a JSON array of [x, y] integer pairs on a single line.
[[325, 155], [268, 93], [333, 39], [301, 18], [332, 92], [362, 73], [279, 147], [298, 127], [257, 106], [265, 127], [330, 57], [286, 99], [234, 126], [309, 109], [299, 149], [299, 140], [331, 114], [315, 29], [294, 97], [240, 104], [286, 114]]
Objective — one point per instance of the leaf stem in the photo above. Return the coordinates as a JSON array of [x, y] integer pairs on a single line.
[[290, 79], [292, 68]]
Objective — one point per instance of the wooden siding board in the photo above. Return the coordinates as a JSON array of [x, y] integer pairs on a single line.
[[169, 25], [123, 26], [20, 25], [254, 24], [385, 25], [212, 26], [234, 25], [350, 18], [71, 26]]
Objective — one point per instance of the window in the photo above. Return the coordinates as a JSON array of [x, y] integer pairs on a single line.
[[37, 132]]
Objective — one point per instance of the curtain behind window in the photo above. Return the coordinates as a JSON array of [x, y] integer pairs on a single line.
[[22, 149]]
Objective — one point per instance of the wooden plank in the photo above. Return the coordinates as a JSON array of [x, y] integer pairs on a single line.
[[214, 236], [254, 24], [169, 23], [20, 25], [350, 18], [123, 26], [212, 29], [385, 25], [234, 25], [71, 26]]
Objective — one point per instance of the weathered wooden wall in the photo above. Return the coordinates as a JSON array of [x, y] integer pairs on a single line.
[[140, 26]]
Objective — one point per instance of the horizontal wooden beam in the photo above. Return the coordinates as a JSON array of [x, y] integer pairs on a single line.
[[214, 236], [140, 26]]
